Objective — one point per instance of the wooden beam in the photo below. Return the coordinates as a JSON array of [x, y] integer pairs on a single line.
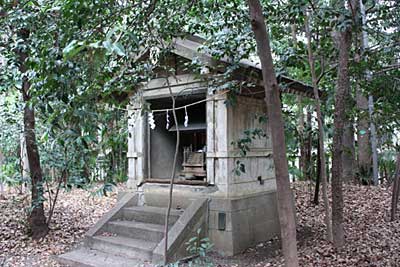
[[181, 182]]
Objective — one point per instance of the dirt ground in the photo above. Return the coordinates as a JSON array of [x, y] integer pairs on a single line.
[[371, 240], [75, 212]]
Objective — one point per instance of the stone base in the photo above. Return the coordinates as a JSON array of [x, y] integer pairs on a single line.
[[234, 223], [248, 221]]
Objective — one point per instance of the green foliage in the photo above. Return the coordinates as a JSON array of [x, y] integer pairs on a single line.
[[70, 72], [85, 58], [244, 143], [10, 134], [198, 246], [387, 164]]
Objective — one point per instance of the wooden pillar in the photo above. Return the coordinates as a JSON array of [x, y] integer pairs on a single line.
[[217, 144], [136, 146], [210, 122]]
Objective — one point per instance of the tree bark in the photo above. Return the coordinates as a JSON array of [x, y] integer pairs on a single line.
[[373, 137], [36, 219], [284, 194], [307, 148], [396, 189], [318, 177], [339, 117], [302, 161], [348, 159], [363, 138], [342, 90], [171, 185], [304, 164], [321, 133], [374, 143], [348, 155]]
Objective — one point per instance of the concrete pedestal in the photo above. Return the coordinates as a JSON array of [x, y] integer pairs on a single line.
[[233, 224]]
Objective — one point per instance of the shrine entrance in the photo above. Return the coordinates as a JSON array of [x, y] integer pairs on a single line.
[[161, 141]]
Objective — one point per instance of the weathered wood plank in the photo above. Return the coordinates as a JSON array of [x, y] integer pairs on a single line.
[[210, 120], [136, 142]]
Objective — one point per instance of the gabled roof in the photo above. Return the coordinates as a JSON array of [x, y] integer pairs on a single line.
[[189, 48]]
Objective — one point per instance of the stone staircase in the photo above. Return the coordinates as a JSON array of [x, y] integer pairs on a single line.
[[127, 238]]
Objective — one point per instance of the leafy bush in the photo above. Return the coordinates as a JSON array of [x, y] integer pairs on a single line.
[[199, 247]]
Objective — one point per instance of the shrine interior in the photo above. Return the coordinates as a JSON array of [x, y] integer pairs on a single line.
[[161, 141]]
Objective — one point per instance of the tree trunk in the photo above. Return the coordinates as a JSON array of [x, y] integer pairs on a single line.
[[373, 137], [342, 90], [363, 137], [307, 147], [348, 155], [303, 162], [348, 152], [321, 133], [171, 185], [284, 194], [396, 189], [374, 143], [339, 118], [318, 176], [308, 159], [36, 219], [300, 129]]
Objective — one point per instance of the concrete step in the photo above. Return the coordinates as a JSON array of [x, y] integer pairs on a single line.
[[94, 258], [123, 246], [139, 230], [150, 214]]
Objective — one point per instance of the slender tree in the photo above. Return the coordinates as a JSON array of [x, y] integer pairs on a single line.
[[396, 189], [304, 164], [348, 156], [321, 131], [363, 143], [37, 219], [307, 146], [318, 178], [272, 98], [342, 90], [173, 172], [364, 155], [368, 105]]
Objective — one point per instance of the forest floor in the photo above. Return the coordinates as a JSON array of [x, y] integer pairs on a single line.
[[371, 240], [76, 211]]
